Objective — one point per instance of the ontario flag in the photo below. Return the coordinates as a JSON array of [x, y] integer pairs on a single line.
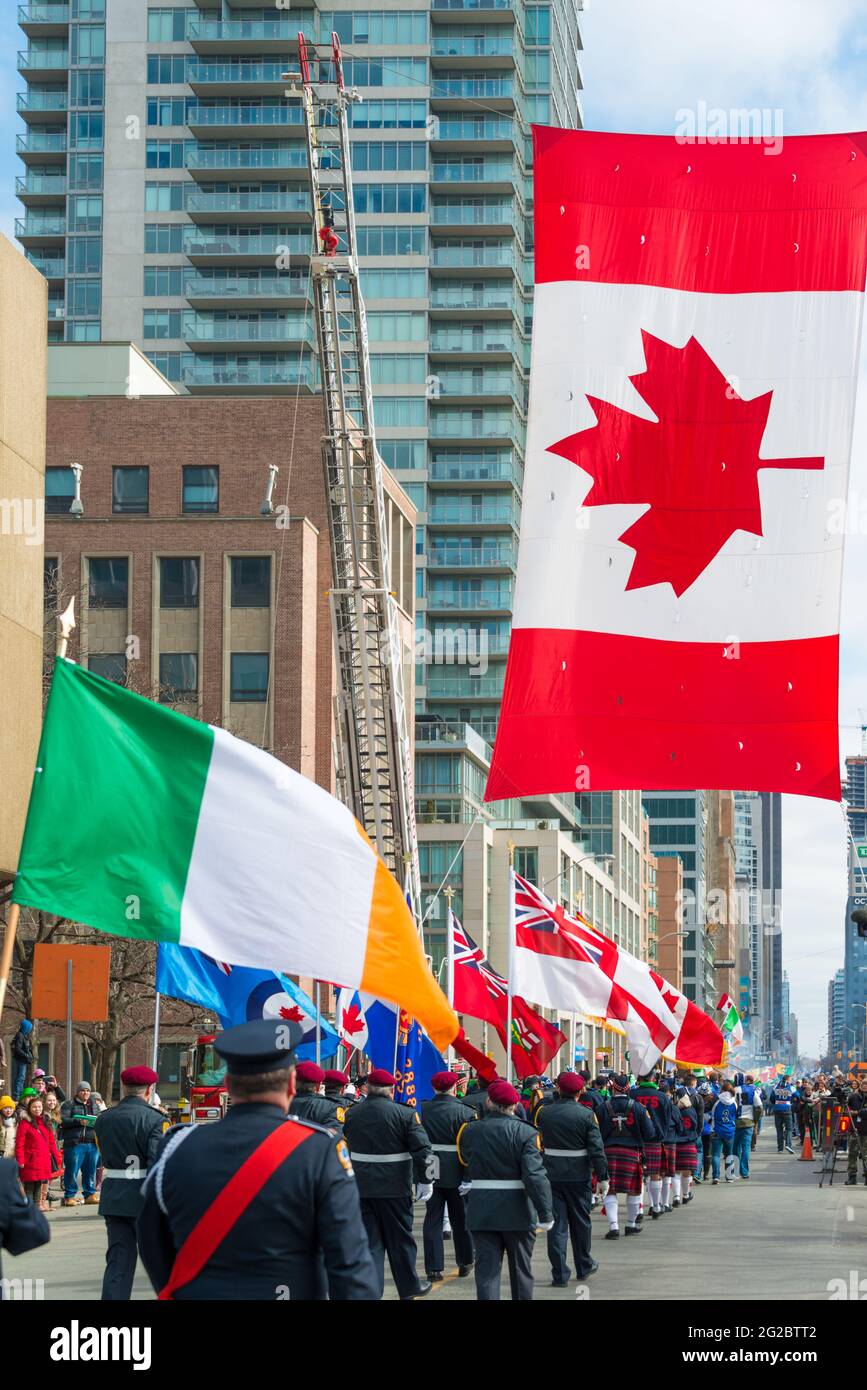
[[563, 962], [696, 328], [481, 993]]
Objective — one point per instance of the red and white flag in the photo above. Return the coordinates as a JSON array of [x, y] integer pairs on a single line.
[[696, 330], [563, 962]]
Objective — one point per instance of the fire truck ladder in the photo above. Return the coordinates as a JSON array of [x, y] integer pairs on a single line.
[[372, 739]]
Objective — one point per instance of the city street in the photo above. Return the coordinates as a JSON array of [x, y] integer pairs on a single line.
[[776, 1237]]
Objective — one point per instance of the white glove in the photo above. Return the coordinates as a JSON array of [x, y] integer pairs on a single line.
[[545, 1226], [464, 1188], [423, 1191], [602, 1190]]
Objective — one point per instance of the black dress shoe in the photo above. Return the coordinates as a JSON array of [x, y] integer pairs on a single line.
[[592, 1270], [435, 1275], [420, 1291], [559, 1283], [464, 1270], [633, 1230], [612, 1235]]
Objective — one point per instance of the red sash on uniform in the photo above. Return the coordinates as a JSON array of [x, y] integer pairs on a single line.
[[215, 1224]]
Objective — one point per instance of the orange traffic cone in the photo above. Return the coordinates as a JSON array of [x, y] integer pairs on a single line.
[[807, 1148]]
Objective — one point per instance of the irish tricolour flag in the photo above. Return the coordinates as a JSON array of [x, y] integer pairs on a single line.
[[148, 824], [731, 1021], [696, 329]]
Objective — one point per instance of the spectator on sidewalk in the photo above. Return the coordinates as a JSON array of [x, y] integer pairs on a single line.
[[857, 1147], [36, 1153], [782, 1101], [78, 1116], [22, 1056], [8, 1126], [51, 1113], [723, 1121], [749, 1107]]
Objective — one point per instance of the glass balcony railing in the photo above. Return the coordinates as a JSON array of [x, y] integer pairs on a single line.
[[43, 14], [41, 183], [39, 59], [255, 70], [451, 383], [462, 424], [459, 470], [229, 371], [464, 555], [199, 328], [492, 512], [498, 254], [250, 30], [56, 307], [475, 171], [41, 142], [474, 5], [445, 685], [246, 287], [492, 296], [475, 128], [53, 268], [458, 214], [51, 99], [472, 87], [498, 339], [241, 114], [461, 599], [262, 200], [40, 226], [273, 244], [236, 157], [473, 46]]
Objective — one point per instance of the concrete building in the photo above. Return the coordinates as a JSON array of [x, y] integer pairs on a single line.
[[671, 929], [836, 1038], [772, 908], [723, 909], [23, 296], [678, 827], [853, 1025]]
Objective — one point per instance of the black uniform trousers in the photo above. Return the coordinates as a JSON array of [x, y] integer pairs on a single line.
[[388, 1222], [120, 1259], [491, 1246], [571, 1201], [434, 1252]]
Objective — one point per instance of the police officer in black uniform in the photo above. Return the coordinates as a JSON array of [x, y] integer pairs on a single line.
[[128, 1138], [309, 1103], [509, 1196], [389, 1150], [571, 1146], [301, 1200], [442, 1117]]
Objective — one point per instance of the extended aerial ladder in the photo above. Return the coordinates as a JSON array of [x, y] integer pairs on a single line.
[[374, 763]]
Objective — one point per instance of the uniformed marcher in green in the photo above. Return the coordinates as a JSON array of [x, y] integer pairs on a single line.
[[309, 1103], [128, 1136], [390, 1151], [510, 1195], [571, 1146], [443, 1116]]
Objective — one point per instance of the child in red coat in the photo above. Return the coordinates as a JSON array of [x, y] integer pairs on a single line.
[[36, 1153]]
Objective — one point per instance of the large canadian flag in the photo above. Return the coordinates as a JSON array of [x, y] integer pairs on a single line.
[[695, 346]]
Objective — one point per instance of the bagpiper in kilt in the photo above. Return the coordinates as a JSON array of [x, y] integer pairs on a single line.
[[659, 1107], [687, 1148], [669, 1148], [626, 1128]]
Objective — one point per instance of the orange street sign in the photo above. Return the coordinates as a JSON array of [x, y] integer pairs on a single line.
[[90, 971]]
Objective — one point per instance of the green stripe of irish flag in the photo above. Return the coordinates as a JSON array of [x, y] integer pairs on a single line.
[[114, 809]]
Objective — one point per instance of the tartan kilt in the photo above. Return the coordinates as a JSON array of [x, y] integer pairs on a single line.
[[687, 1157], [669, 1160], [624, 1169], [653, 1161]]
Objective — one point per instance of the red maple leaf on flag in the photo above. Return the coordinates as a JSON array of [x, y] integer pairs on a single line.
[[293, 1014], [352, 1021], [695, 467]]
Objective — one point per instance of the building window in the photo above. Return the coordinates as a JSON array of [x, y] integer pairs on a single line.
[[110, 665], [201, 489], [527, 863], [50, 581], [108, 583], [179, 582], [129, 489], [251, 581], [59, 490], [249, 676], [178, 677]]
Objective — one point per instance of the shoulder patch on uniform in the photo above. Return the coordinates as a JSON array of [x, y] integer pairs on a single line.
[[340, 1113], [416, 1117], [343, 1155], [539, 1142]]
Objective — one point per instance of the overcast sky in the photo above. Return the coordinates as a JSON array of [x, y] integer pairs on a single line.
[[643, 61]]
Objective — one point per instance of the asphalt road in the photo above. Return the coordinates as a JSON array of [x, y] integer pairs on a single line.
[[775, 1237]]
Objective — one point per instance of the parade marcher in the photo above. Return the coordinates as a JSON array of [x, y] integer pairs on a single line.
[[571, 1146], [443, 1116], [77, 1119], [510, 1194], [22, 1225], [669, 1147], [390, 1150], [309, 1103], [128, 1138], [749, 1107], [857, 1103], [476, 1098], [263, 1193], [782, 1103], [626, 1128], [723, 1119], [686, 1147], [702, 1173], [658, 1105]]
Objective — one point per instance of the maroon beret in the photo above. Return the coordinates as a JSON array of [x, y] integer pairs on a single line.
[[570, 1083], [444, 1080], [336, 1078], [503, 1093], [380, 1077], [308, 1071], [138, 1076]]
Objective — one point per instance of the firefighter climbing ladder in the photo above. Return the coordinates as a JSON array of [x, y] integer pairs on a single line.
[[374, 764]]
